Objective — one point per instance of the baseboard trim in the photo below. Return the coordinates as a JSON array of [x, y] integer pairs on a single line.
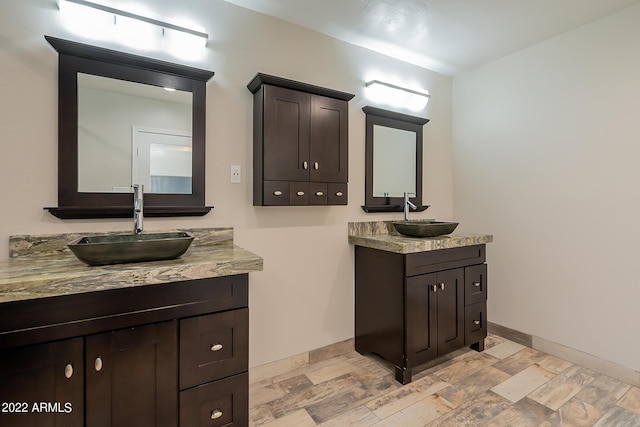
[[572, 355], [288, 364]]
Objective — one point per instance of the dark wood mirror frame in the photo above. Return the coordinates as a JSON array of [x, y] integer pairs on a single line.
[[392, 119], [74, 58]]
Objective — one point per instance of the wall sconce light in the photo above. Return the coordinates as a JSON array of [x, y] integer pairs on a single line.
[[99, 21], [397, 96]]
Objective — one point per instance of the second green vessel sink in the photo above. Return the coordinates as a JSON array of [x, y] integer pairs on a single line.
[[424, 228], [122, 248]]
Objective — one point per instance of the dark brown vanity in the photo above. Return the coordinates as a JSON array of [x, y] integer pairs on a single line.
[[417, 299], [147, 344], [300, 143]]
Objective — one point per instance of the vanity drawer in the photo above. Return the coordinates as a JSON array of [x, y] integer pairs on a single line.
[[475, 284], [337, 193], [445, 259], [220, 403], [475, 328], [213, 346], [276, 193], [318, 193]]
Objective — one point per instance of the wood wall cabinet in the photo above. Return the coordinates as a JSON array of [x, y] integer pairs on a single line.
[[300, 143], [413, 308], [168, 355]]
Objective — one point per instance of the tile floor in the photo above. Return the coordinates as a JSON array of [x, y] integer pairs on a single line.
[[506, 385]]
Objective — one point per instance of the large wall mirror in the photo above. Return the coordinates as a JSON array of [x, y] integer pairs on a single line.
[[393, 160], [123, 120]]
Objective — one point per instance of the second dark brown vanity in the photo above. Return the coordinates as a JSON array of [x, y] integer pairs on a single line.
[[419, 299]]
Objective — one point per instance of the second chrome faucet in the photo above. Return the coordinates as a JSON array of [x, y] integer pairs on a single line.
[[408, 204], [138, 208]]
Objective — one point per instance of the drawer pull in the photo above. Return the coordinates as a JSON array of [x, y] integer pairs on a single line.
[[98, 364], [339, 194], [442, 286], [216, 347], [300, 193], [68, 370], [277, 193], [215, 414], [476, 284], [476, 322], [319, 193]]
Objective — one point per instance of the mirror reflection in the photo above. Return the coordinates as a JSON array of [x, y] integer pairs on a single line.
[[394, 162], [393, 166], [132, 133]]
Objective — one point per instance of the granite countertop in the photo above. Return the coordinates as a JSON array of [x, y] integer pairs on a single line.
[[42, 266], [382, 235]]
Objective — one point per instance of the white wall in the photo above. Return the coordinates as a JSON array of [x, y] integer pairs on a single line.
[[546, 149], [304, 297]]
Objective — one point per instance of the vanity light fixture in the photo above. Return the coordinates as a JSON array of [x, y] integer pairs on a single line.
[[97, 20], [397, 96]]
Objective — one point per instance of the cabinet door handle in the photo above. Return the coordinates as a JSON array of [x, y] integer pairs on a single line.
[[277, 193], [339, 194], [476, 322], [319, 193], [476, 284], [434, 288], [300, 193], [98, 364], [216, 347], [441, 286], [305, 165], [68, 370], [215, 414], [316, 165]]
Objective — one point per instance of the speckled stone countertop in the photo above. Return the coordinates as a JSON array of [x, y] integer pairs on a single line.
[[382, 235], [42, 265]]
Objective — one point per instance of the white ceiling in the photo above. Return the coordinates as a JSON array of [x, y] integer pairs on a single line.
[[447, 36]]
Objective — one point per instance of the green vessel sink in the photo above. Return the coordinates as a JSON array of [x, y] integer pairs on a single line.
[[420, 228], [123, 248]]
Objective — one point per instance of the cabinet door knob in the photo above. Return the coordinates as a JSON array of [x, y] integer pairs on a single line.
[[476, 322], [215, 414], [476, 284], [68, 370], [300, 193], [98, 364], [305, 165], [319, 193], [441, 286], [339, 194], [216, 347], [277, 193], [434, 288], [316, 165]]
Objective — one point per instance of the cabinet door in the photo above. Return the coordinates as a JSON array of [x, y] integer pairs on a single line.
[[42, 385], [132, 377], [450, 308], [286, 134], [329, 155], [421, 319]]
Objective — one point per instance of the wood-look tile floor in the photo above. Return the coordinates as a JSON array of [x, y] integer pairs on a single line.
[[506, 385]]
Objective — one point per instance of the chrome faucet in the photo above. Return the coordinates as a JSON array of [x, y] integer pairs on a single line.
[[407, 205], [138, 208]]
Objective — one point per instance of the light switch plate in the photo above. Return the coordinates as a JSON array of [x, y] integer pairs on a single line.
[[236, 177]]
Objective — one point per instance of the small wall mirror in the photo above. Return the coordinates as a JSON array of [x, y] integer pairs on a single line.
[[123, 120], [393, 160]]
